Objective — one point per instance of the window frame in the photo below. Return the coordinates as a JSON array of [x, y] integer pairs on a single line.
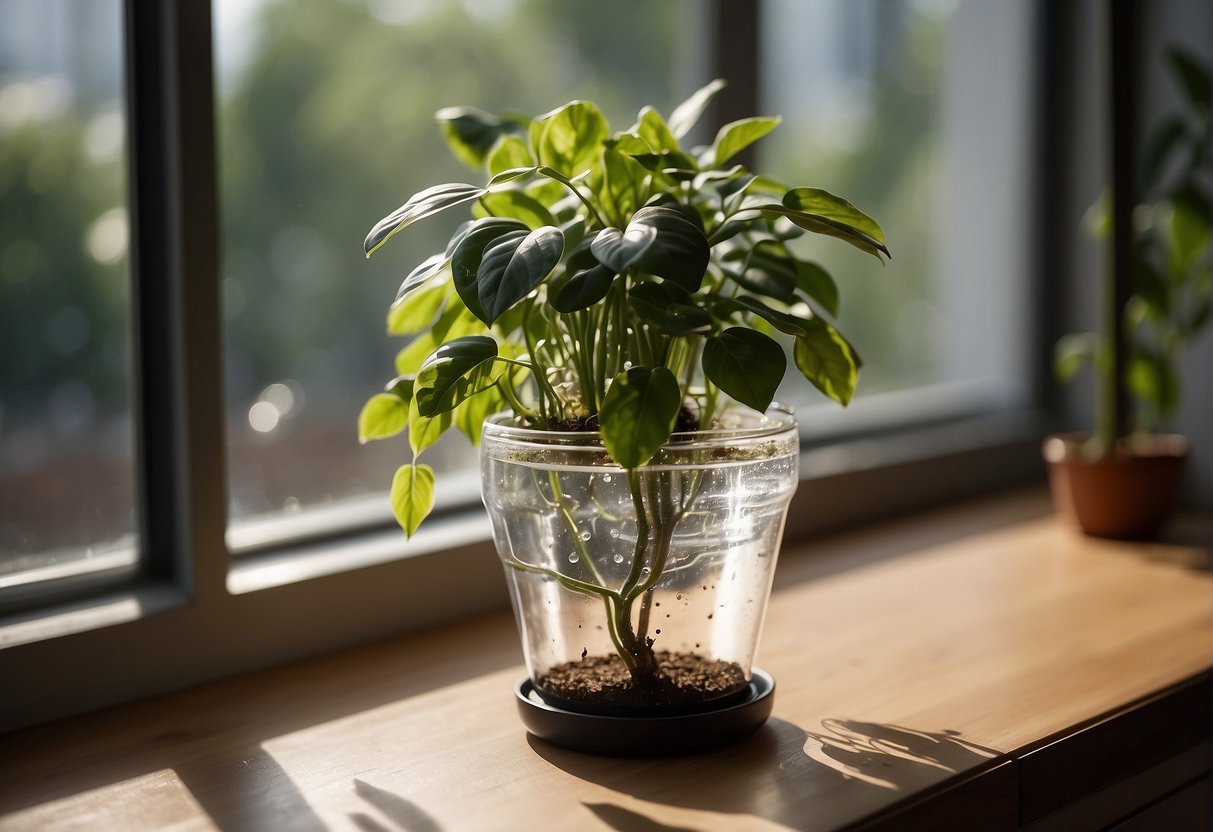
[[193, 613]]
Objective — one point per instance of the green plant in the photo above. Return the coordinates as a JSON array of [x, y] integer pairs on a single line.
[[1173, 271], [607, 281]]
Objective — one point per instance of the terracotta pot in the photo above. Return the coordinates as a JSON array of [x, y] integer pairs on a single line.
[[1125, 494]]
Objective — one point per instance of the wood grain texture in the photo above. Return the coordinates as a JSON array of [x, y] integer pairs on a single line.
[[906, 656]]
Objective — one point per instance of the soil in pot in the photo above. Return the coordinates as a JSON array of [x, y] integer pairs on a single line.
[[685, 683]]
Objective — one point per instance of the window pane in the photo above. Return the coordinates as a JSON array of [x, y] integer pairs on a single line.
[[326, 124], [66, 481], [918, 112]]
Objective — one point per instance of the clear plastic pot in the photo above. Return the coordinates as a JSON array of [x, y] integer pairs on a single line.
[[643, 591]]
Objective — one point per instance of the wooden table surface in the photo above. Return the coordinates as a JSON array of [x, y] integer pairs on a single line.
[[904, 654]]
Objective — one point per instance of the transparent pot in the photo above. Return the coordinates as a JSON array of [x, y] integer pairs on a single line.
[[644, 591]]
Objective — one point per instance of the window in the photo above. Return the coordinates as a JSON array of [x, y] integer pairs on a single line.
[[67, 489], [258, 162]]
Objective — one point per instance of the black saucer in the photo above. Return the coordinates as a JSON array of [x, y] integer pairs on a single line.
[[634, 736]]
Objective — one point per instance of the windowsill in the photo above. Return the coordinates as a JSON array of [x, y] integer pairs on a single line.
[[942, 672]]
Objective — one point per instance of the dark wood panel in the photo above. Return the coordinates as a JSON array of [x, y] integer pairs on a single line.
[[1120, 763], [1189, 808], [986, 802]]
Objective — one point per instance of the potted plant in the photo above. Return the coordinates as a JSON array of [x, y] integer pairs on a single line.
[[607, 326], [1124, 486]]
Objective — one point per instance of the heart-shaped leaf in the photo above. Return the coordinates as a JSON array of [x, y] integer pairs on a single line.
[[419, 206], [509, 153], [454, 371], [670, 308], [512, 267], [679, 252], [746, 364], [470, 132], [638, 414], [688, 112], [419, 311], [569, 139], [424, 431], [827, 360], [382, 416], [620, 250], [584, 289], [469, 253], [651, 127], [735, 137], [624, 184], [412, 496]]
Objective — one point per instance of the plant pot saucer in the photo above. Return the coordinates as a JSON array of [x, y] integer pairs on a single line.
[[635, 736]]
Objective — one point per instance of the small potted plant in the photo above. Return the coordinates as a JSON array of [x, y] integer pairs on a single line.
[[610, 326], [1124, 486]]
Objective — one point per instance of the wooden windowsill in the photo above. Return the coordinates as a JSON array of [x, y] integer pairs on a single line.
[[946, 657]]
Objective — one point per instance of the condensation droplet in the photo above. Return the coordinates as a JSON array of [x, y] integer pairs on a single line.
[[573, 557], [645, 570], [679, 596], [585, 535], [606, 477], [615, 533], [618, 558]]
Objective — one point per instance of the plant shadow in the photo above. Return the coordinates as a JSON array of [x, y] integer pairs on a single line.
[[805, 780]]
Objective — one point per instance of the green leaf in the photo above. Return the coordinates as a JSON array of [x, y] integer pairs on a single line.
[[1150, 286], [583, 289], [746, 364], [670, 308], [816, 282], [454, 371], [620, 250], [517, 205], [679, 252], [629, 143], [470, 415], [382, 416], [509, 153], [424, 431], [1073, 352], [469, 254], [1188, 228], [1152, 378], [418, 277], [470, 132], [827, 361], [412, 496], [419, 206], [1192, 76], [512, 267], [735, 137], [624, 184], [418, 312], [454, 322], [785, 322], [688, 112], [569, 139], [768, 270], [511, 175], [823, 213], [638, 414], [651, 127]]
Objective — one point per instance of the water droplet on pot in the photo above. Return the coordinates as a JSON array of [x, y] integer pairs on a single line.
[[573, 557], [618, 558], [627, 365], [679, 596], [585, 535], [606, 477], [645, 570], [658, 632], [615, 533]]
